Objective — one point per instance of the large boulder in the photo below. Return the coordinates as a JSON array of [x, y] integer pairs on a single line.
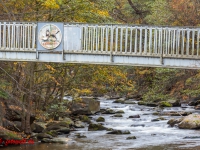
[[38, 127], [60, 127], [13, 113], [194, 101], [85, 106], [8, 135], [190, 122]]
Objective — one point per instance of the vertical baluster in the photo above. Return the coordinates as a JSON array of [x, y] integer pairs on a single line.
[[183, 42], [126, 40], [89, 39], [17, 36], [107, 38], [93, 39], [169, 42], [111, 38], [4, 35], [116, 39], [155, 41], [131, 40], [14, 35], [161, 41], [84, 40], [178, 42], [150, 40], [29, 33], [121, 39], [145, 41], [102, 41], [97, 37], [174, 40], [198, 34], [140, 40], [0, 35], [135, 49], [166, 41], [9, 46], [193, 33], [33, 36], [188, 42]]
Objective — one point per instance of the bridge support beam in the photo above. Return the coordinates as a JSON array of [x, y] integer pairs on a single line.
[[106, 59]]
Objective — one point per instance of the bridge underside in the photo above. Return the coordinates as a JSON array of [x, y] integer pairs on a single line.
[[101, 58]]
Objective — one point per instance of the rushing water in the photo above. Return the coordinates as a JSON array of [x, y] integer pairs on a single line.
[[150, 135]]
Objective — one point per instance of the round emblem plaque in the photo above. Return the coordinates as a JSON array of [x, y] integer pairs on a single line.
[[50, 36]]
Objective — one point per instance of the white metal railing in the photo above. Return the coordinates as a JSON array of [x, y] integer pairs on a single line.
[[141, 40], [118, 39], [17, 36]]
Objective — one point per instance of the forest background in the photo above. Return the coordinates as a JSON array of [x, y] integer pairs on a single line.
[[36, 86]]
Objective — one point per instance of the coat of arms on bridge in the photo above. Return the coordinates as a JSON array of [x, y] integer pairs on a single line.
[[50, 36]]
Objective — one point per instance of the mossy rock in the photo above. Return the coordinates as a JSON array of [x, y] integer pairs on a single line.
[[109, 111], [100, 119], [117, 115], [120, 112], [165, 104], [96, 127], [131, 138], [80, 136], [142, 103], [85, 118], [53, 133]]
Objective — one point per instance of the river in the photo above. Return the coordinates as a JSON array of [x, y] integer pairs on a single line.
[[150, 135]]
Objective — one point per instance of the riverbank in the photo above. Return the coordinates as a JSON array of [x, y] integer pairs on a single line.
[[150, 132]]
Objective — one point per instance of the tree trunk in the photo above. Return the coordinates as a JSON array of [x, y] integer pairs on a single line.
[[1, 114]]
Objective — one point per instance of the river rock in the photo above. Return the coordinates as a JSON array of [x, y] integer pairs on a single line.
[[119, 132], [54, 140], [85, 106], [12, 125], [194, 101], [119, 112], [174, 102], [13, 113], [68, 120], [150, 104], [138, 125], [173, 121], [41, 136], [38, 127], [79, 124], [85, 118], [100, 119], [96, 127], [131, 138], [129, 102], [8, 135], [118, 101], [109, 111], [117, 115], [59, 127], [134, 116], [190, 122], [80, 136], [192, 137]]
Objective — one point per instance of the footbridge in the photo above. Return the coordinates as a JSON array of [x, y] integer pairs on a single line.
[[134, 45]]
